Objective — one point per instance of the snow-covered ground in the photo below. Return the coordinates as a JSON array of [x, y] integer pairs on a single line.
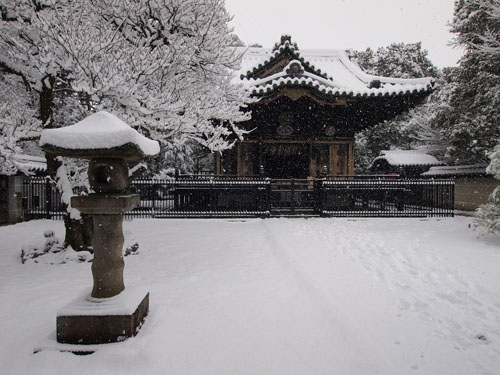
[[275, 296]]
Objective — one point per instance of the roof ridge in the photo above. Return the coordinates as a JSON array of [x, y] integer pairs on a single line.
[[286, 43]]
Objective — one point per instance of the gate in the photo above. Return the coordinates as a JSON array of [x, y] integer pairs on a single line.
[[293, 197]]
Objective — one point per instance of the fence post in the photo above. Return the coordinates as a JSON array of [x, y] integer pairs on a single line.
[[318, 195], [211, 198], [48, 197], [176, 195], [154, 192], [268, 195], [259, 196]]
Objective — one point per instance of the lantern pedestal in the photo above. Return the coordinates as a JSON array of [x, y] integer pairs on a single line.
[[88, 320], [110, 313]]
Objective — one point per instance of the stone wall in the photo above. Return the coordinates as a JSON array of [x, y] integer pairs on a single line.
[[471, 192], [11, 189], [4, 195]]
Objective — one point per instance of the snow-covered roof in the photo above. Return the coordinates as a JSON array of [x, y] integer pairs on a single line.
[[329, 71], [100, 131], [29, 163], [457, 170], [403, 158]]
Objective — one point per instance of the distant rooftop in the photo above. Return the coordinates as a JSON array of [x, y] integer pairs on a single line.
[[30, 163], [404, 158], [457, 170]]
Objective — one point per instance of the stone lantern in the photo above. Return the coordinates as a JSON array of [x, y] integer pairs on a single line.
[[110, 313]]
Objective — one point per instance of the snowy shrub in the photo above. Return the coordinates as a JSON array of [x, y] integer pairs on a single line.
[[132, 249], [52, 252], [51, 242], [488, 215], [130, 244], [51, 245]]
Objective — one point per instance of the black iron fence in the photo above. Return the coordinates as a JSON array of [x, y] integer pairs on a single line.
[[226, 196], [202, 196], [41, 199], [385, 197]]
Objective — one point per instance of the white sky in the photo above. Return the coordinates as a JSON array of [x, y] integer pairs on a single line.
[[341, 24]]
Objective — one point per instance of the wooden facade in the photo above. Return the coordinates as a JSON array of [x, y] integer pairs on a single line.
[[291, 139], [304, 120]]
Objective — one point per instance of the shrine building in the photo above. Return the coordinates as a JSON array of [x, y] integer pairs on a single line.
[[309, 106]]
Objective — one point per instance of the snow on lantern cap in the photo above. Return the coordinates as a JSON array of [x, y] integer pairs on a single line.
[[101, 135]]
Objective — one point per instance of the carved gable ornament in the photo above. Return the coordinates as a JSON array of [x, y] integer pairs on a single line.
[[294, 69]]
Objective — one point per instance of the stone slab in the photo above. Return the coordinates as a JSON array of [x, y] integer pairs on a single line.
[[88, 321]]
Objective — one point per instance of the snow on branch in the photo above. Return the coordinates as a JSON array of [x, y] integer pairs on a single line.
[[163, 66]]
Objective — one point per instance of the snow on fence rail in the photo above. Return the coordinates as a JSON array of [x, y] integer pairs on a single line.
[[211, 196]]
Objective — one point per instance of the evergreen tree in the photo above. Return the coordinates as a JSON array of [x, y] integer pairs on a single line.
[[408, 130], [471, 120], [401, 60], [477, 26]]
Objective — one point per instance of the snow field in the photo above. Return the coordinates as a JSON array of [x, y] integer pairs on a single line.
[[274, 296]]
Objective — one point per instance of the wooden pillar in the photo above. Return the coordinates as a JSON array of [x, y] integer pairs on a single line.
[[261, 162], [244, 160], [312, 163], [239, 164], [341, 161], [351, 159], [332, 159], [218, 166]]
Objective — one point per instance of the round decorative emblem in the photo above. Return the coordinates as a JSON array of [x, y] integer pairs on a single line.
[[284, 130], [330, 131], [295, 68]]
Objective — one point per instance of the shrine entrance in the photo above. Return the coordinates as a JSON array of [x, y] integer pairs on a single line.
[[286, 160], [292, 197]]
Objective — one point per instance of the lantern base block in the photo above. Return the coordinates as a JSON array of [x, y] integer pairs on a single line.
[[88, 321]]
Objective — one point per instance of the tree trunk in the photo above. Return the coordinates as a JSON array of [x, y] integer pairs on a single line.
[[78, 231]]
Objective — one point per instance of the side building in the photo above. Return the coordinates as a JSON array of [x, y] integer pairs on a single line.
[[12, 185]]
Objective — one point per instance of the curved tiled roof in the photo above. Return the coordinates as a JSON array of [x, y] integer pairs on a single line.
[[457, 170], [30, 163], [405, 158], [330, 72]]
